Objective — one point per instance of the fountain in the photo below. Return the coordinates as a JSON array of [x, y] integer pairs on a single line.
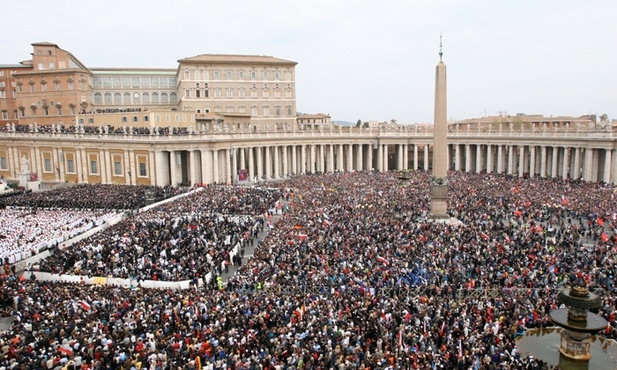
[[572, 345]]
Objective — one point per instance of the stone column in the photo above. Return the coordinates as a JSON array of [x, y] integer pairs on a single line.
[[426, 153], [349, 157], [277, 163], [457, 157], [415, 157], [554, 162], [405, 156], [521, 161], [159, 163], [565, 170], [369, 157], [399, 156], [588, 167], [380, 158], [55, 164], [251, 167], [360, 158], [192, 167], [386, 165], [268, 163], [206, 163], [543, 161], [576, 171], [230, 157], [500, 159], [532, 161], [128, 174], [285, 161], [260, 163], [490, 166], [242, 165], [215, 166], [312, 158], [151, 167], [607, 165], [102, 166], [303, 159], [614, 168], [322, 157], [467, 158], [511, 155], [294, 159], [478, 158]]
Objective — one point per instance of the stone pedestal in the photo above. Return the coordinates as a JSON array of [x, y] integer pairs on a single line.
[[439, 200], [24, 177]]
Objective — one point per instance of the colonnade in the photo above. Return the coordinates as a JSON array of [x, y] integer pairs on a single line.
[[255, 157], [567, 162]]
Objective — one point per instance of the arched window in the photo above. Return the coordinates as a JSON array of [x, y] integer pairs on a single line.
[[127, 98], [145, 98], [98, 98], [155, 98], [173, 98], [164, 98], [107, 98], [117, 98]]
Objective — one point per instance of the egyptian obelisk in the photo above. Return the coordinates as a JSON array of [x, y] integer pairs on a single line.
[[439, 181]]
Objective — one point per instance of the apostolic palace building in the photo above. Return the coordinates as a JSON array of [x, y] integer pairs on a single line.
[[232, 118]]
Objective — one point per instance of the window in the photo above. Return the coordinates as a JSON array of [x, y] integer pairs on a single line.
[[127, 98], [2, 94], [32, 87], [5, 114], [241, 92], [40, 65], [126, 82], [289, 111], [266, 92], [3, 163], [206, 75], [142, 170], [157, 118], [117, 98], [57, 85], [177, 118], [253, 111], [135, 82], [253, 93], [22, 112], [46, 110], [217, 93], [288, 93], [277, 75], [14, 94], [264, 75], [106, 81], [187, 74], [123, 119], [228, 75], [107, 98], [155, 98], [266, 111], [15, 114], [72, 109], [167, 117], [242, 109], [173, 98], [145, 118], [230, 93], [277, 93], [117, 168], [94, 167], [145, 81], [253, 75], [240, 75], [164, 98], [71, 85], [134, 118], [230, 109], [52, 65], [1, 73], [277, 111], [145, 98], [154, 81], [98, 82], [20, 88], [116, 81], [197, 75], [187, 93], [47, 165], [43, 87], [215, 74], [70, 166], [90, 120], [59, 108]]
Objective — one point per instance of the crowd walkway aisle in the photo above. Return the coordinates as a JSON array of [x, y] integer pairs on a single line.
[[248, 250]]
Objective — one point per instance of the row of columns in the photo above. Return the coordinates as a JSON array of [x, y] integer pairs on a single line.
[[223, 165], [588, 164]]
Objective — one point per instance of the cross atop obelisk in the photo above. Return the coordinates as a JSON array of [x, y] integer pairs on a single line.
[[439, 181]]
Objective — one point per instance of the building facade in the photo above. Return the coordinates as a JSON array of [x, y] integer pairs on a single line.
[[54, 87]]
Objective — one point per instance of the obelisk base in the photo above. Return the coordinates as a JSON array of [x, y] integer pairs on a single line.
[[439, 200]]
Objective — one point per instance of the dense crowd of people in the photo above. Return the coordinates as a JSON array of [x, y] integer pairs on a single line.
[[95, 130], [94, 197], [26, 233], [355, 275], [181, 240]]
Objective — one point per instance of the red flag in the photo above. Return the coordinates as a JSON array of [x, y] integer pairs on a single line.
[[383, 260], [483, 235], [443, 328], [85, 305]]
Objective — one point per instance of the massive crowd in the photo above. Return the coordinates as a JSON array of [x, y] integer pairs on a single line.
[[181, 240], [353, 276], [94, 197]]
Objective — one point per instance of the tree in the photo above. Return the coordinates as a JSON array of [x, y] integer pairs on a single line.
[[359, 123]]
